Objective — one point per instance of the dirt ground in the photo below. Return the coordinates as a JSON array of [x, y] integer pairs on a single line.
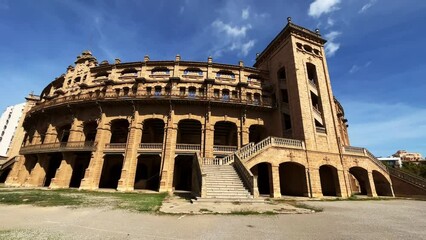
[[374, 219]]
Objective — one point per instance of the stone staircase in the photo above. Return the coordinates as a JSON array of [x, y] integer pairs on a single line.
[[223, 183]]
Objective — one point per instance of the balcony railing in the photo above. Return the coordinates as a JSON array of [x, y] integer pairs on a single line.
[[80, 146], [224, 149], [112, 147], [183, 147], [174, 95]]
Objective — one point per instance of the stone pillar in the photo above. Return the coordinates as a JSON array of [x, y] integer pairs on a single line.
[[128, 172], [168, 156], [63, 175], [208, 148], [275, 181], [315, 182], [18, 174], [239, 137], [93, 172], [51, 134], [344, 188], [245, 135], [371, 189], [38, 174], [76, 131]]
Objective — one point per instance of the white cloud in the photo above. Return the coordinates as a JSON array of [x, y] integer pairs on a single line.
[[244, 48], [386, 127], [354, 69], [319, 7], [330, 22], [245, 13], [367, 6], [331, 46], [230, 30]]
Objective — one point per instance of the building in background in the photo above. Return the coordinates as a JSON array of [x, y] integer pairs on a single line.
[[9, 122], [391, 161], [408, 156]]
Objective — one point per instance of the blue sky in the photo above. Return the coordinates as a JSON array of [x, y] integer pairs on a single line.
[[375, 51]]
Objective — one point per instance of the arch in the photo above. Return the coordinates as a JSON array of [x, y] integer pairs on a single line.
[[90, 130], [193, 70], [293, 181], [281, 74], [182, 174], [153, 131], [263, 172], [79, 167], [362, 184], [129, 71], [147, 172], [119, 131], [160, 70], [329, 181], [225, 73], [51, 167], [383, 187], [257, 133], [111, 171], [225, 133], [63, 132], [189, 131]]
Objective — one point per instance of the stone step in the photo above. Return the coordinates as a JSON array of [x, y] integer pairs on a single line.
[[228, 189], [228, 200], [228, 196]]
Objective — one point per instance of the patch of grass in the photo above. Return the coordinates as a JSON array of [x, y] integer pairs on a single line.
[[306, 206], [140, 202]]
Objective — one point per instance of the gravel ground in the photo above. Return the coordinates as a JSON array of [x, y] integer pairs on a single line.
[[392, 219]]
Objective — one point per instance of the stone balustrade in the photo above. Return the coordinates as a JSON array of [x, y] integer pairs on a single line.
[[58, 147]]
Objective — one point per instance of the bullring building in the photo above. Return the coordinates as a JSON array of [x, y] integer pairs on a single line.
[[215, 130]]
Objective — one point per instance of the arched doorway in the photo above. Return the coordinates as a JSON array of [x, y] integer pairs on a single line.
[[111, 171], [293, 181], [189, 131], [263, 173], [329, 181], [257, 133], [153, 131], [362, 184], [225, 134], [79, 167], [51, 167], [119, 131], [182, 176], [147, 172], [383, 187]]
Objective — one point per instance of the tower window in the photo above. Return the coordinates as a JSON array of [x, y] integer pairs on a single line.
[[284, 95], [312, 72], [281, 74]]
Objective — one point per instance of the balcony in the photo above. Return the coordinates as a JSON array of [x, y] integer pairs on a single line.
[[115, 147], [59, 147], [221, 149], [187, 148], [150, 147]]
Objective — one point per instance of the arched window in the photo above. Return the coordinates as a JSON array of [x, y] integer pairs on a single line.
[[160, 71], [225, 74], [193, 71], [312, 72], [129, 72], [192, 92]]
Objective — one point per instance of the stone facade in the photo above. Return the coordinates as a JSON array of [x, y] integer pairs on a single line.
[[155, 124]]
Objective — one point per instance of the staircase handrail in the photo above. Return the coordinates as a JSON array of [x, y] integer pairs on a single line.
[[249, 180], [366, 153], [409, 177]]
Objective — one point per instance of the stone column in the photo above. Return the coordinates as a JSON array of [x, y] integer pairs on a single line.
[[371, 189], [51, 134], [168, 156], [93, 172], [208, 148], [315, 182], [245, 135], [76, 131], [128, 172], [18, 174], [275, 181], [63, 175], [38, 174], [345, 190], [239, 137]]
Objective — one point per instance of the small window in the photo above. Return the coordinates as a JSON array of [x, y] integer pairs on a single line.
[[315, 101], [157, 91], [281, 74], [77, 79], [201, 92], [160, 71], [225, 74], [286, 121], [307, 48], [257, 98], [284, 95], [148, 90], [216, 93], [299, 45], [193, 71], [182, 91], [192, 92], [248, 96], [312, 72], [225, 95], [234, 94]]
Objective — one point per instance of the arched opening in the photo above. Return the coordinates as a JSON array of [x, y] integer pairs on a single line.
[[293, 181], [225, 134], [4, 173], [264, 181], [182, 176], [119, 131], [148, 172], [383, 187], [257, 133], [153, 131], [63, 133], [52, 166], [129, 72], [192, 92], [157, 91], [189, 131], [89, 131], [111, 171], [329, 181], [225, 95], [79, 167], [361, 185]]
